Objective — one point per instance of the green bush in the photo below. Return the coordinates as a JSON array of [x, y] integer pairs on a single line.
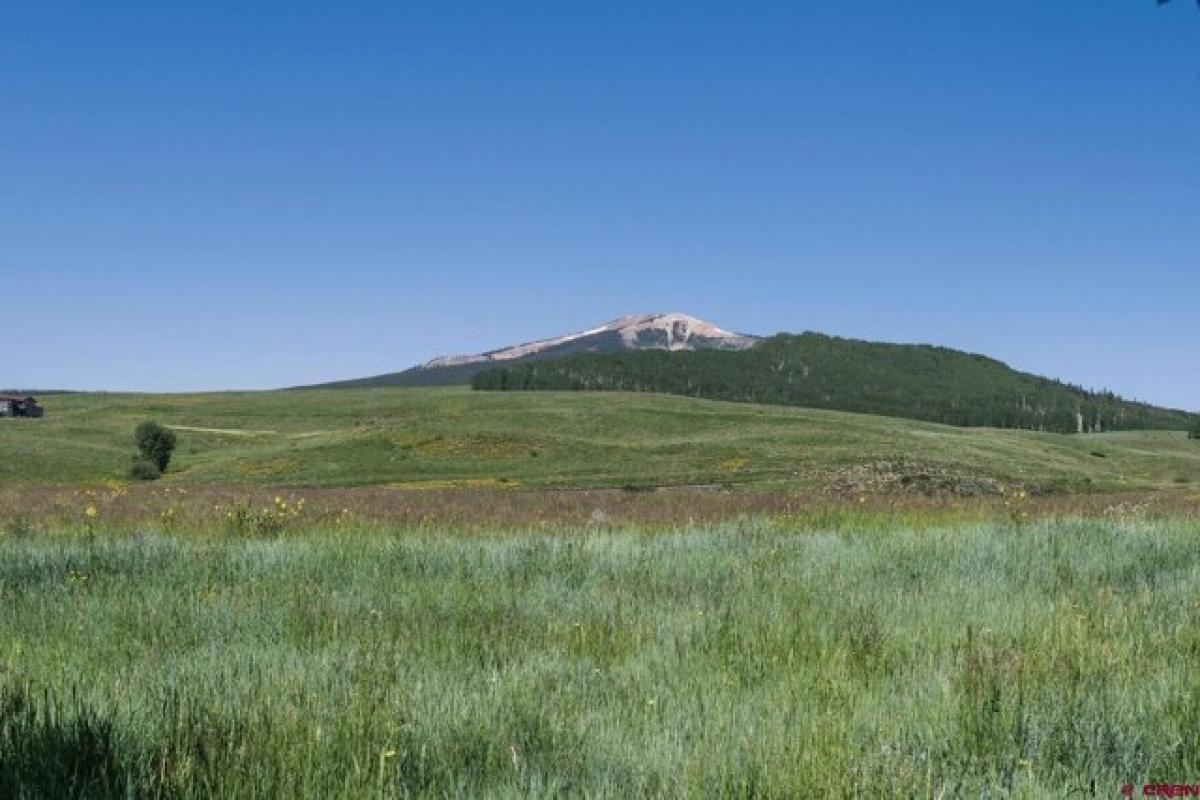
[[144, 470], [1194, 433], [242, 520], [155, 443]]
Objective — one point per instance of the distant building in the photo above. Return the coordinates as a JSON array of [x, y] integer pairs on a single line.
[[19, 406]]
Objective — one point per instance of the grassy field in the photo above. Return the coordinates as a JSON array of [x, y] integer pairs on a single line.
[[448, 438], [433, 592], [760, 658]]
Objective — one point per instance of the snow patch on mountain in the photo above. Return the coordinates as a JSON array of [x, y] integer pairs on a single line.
[[638, 332]]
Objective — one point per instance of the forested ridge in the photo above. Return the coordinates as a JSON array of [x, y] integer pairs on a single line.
[[922, 382]]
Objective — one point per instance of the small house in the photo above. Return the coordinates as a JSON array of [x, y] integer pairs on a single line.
[[19, 406]]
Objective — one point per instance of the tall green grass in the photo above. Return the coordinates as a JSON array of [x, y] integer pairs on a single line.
[[750, 660]]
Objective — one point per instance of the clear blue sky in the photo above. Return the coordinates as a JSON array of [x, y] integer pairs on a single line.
[[230, 194]]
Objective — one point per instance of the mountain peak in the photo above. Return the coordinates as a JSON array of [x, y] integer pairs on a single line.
[[679, 329], [664, 331]]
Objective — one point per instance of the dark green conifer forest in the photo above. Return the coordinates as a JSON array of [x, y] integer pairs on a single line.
[[922, 382]]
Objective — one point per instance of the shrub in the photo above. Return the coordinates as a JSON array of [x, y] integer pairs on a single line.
[[245, 521], [143, 469], [155, 443], [1194, 433]]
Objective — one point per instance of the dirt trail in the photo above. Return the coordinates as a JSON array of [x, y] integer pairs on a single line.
[[229, 431]]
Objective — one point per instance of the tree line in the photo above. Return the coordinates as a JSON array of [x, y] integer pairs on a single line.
[[921, 382]]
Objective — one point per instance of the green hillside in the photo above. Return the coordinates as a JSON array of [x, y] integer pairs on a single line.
[[458, 375], [455, 437], [461, 374], [922, 382]]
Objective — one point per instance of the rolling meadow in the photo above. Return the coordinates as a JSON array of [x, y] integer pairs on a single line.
[[387, 594], [441, 438]]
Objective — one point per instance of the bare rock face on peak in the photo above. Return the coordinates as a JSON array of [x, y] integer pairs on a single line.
[[672, 331], [642, 332]]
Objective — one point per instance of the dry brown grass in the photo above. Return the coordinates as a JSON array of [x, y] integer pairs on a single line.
[[45, 508]]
